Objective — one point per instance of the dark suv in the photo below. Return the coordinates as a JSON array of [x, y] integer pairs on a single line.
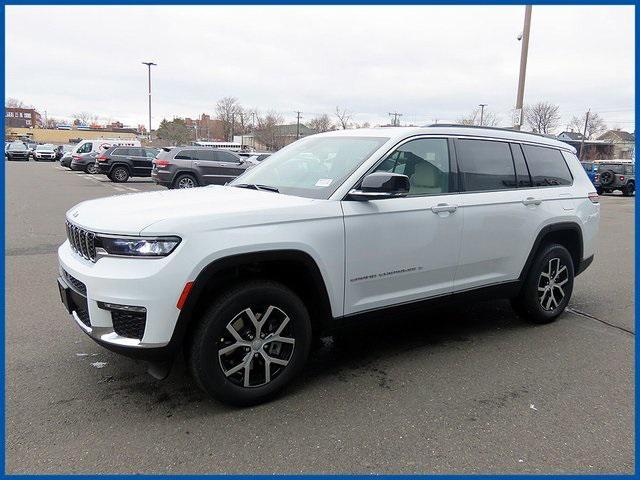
[[616, 175], [17, 151], [120, 163], [188, 167]]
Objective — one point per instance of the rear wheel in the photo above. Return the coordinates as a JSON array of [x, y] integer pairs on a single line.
[[250, 343], [92, 168], [185, 180], [119, 174], [548, 285]]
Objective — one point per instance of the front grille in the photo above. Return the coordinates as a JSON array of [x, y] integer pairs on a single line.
[[129, 324], [83, 315], [82, 241]]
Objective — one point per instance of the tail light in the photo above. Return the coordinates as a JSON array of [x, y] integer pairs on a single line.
[[622, 178], [76, 157], [593, 196], [101, 158], [597, 177], [161, 163]]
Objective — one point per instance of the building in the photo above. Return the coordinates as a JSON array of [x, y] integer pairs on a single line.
[[22, 117], [570, 137], [207, 128], [624, 143], [55, 136], [274, 138]]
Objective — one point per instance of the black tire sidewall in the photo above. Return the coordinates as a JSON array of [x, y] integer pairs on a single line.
[[203, 356], [528, 303]]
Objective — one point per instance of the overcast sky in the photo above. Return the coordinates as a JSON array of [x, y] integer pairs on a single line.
[[427, 62]]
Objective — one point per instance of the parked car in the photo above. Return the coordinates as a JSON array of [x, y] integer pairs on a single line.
[[85, 162], [17, 151], [31, 146], [188, 167], [258, 157], [616, 175], [62, 149], [338, 226], [120, 163], [45, 152]]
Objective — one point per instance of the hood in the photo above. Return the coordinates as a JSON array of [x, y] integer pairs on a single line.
[[133, 213]]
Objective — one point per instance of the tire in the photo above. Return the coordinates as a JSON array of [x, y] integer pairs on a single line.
[[544, 306], [119, 174], [92, 169], [629, 189], [185, 180], [224, 376], [607, 177], [599, 190]]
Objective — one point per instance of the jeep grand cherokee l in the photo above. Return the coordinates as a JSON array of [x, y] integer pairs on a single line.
[[335, 226]]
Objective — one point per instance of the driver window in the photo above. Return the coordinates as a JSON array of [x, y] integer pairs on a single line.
[[425, 161]]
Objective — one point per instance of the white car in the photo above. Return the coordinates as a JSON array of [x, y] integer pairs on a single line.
[[45, 152], [335, 227]]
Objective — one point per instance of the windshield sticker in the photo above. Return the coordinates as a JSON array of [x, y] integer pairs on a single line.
[[324, 182]]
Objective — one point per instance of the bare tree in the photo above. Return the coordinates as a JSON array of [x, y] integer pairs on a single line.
[[489, 119], [321, 123], [542, 117], [51, 123], [85, 118], [227, 110], [595, 125], [267, 128], [15, 103], [344, 117]]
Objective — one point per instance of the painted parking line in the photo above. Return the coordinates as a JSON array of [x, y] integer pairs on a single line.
[[120, 189], [132, 189]]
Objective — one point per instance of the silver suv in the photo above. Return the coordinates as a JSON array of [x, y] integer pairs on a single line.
[[188, 167]]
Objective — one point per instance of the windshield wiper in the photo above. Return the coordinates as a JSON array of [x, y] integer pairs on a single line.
[[256, 186]]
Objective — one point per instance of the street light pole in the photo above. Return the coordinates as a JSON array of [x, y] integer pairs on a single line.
[[482, 105], [149, 65], [523, 66]]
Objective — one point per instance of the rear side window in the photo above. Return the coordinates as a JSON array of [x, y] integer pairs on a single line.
[[186, 155], [547, 166], [206, 155], [120, 152], [226, 157], [485, 165]]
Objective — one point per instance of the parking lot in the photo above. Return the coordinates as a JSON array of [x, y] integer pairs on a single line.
[[469, 389]]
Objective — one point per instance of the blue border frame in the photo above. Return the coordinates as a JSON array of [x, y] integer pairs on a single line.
[[310, 2]]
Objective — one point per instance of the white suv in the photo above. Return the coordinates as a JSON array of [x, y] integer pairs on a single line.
[[335, 226]]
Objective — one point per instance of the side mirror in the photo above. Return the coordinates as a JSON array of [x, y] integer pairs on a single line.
[[380, 185]]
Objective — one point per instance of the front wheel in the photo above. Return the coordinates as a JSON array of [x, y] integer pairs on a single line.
[[251, 342], [548, 285]]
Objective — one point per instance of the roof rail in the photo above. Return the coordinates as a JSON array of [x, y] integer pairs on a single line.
[[503, 129]]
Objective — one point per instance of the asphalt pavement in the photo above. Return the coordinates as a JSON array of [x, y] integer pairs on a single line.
[[470, 389]]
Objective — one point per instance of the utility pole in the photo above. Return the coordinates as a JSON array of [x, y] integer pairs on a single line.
[[149, 65], [482, 105], [395, 116], [584, 133], [523, 67], [298, 124]]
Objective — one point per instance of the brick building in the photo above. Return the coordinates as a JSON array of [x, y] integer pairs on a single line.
[[22, 117]]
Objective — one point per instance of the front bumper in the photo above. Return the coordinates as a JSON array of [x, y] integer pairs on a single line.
[[146, 283]]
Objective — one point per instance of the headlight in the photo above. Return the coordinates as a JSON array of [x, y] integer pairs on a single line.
[[137, 246]]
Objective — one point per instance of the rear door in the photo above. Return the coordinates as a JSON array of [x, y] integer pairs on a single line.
[[141, 164], [205, 164], [504, 209]]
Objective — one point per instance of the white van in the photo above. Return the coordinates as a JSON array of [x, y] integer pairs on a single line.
[[101, 144]]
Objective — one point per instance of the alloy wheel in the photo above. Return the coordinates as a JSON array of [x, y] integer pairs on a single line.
[[550, 284], [256, 346], [120, 174], [186, 182]]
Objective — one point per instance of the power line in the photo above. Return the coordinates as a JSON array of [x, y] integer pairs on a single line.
[[298, 114], [395, 116]]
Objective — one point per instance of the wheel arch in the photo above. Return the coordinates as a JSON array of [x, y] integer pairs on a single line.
[[120, 164], [295, 269], [186, 172], [567, 234]]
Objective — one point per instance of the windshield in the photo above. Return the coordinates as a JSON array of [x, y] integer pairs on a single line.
[[17, 146], [313, 167], [44, 147]]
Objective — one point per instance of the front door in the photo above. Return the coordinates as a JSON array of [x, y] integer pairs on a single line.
[[401, 250]]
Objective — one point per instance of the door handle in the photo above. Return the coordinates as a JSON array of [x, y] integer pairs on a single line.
[[444, 207], [196, 163], [531, 201]]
